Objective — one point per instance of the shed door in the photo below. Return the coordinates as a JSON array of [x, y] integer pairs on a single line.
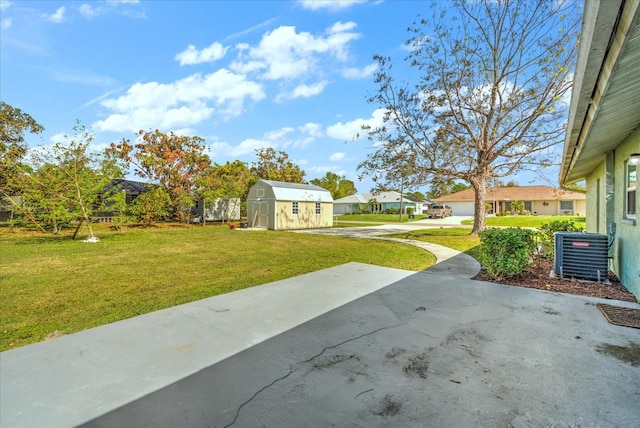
[[259, 214]]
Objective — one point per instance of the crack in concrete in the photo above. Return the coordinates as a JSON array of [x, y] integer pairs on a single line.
[[300, 364]]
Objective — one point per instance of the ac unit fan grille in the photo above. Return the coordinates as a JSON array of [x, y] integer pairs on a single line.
[[582, 255]]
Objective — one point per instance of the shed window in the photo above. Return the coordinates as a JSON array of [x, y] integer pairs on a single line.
[[318, 208], [566, 206], [294, 208], [631, 185]]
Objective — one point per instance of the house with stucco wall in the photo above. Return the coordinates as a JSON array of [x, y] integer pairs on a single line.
[[378, 203], [602, 146], [540, 200]]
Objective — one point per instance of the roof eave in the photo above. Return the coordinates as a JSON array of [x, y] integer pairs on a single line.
[[607, 28]]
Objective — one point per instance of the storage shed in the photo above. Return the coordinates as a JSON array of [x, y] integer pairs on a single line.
[[223, 209], [277, 205]]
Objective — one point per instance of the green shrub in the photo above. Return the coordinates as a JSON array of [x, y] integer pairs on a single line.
[[517, 207], [506, 252], [546, 232], [409, 211]]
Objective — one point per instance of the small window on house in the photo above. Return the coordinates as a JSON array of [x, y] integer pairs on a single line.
[[566, 207], [294, 208], [318, 208], [631, 186]]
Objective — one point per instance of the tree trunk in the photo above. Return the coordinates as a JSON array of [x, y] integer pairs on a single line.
[[480, 190]]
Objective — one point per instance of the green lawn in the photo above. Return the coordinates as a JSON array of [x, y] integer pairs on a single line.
[[529, 220], [377, 218], [457, 238], [52, 283]]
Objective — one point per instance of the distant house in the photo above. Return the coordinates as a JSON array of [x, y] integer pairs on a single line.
[[277, 205], [377, 203], [132, 189], [223, 209], [8, 205], [602, 145], [541, 200]]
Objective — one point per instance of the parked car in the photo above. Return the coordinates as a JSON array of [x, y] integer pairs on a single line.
[[441, 211]]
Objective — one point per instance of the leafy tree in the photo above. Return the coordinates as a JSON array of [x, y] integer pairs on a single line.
[[487, 99], [446, 187], [392, 169], [44, 198], [116, 204], [272, 165], [224, 183], [14, 123], [337, 185], [68, 180], [173, 161], [416, 195], [575, 187], [151, 206]]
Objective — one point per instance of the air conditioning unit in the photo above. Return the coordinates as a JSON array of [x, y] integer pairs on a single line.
[[582, 255]]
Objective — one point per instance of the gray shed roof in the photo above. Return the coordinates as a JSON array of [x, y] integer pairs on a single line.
[[284, 191]]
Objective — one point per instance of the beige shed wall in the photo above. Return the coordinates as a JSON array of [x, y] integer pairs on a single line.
[[306, 218]]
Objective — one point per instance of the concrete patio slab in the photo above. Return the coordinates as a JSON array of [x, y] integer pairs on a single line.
[[428, 350]]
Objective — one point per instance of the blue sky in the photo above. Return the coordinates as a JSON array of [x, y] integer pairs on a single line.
[[292, 75]]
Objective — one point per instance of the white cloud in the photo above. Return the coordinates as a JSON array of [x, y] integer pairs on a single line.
[[337, 156], [184, 102], [88, 11], [321, 170], [211, 53], [359, 73], [303, 91], [150, 118], [286, 54], [4, 4], [246, 147], [312, 129], [56, 17], [59, 138], [349, 130], [278, 134], [6, 23], [281, 138], [330, 5]]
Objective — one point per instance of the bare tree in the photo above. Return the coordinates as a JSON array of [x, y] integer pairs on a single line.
[[488, 99]]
